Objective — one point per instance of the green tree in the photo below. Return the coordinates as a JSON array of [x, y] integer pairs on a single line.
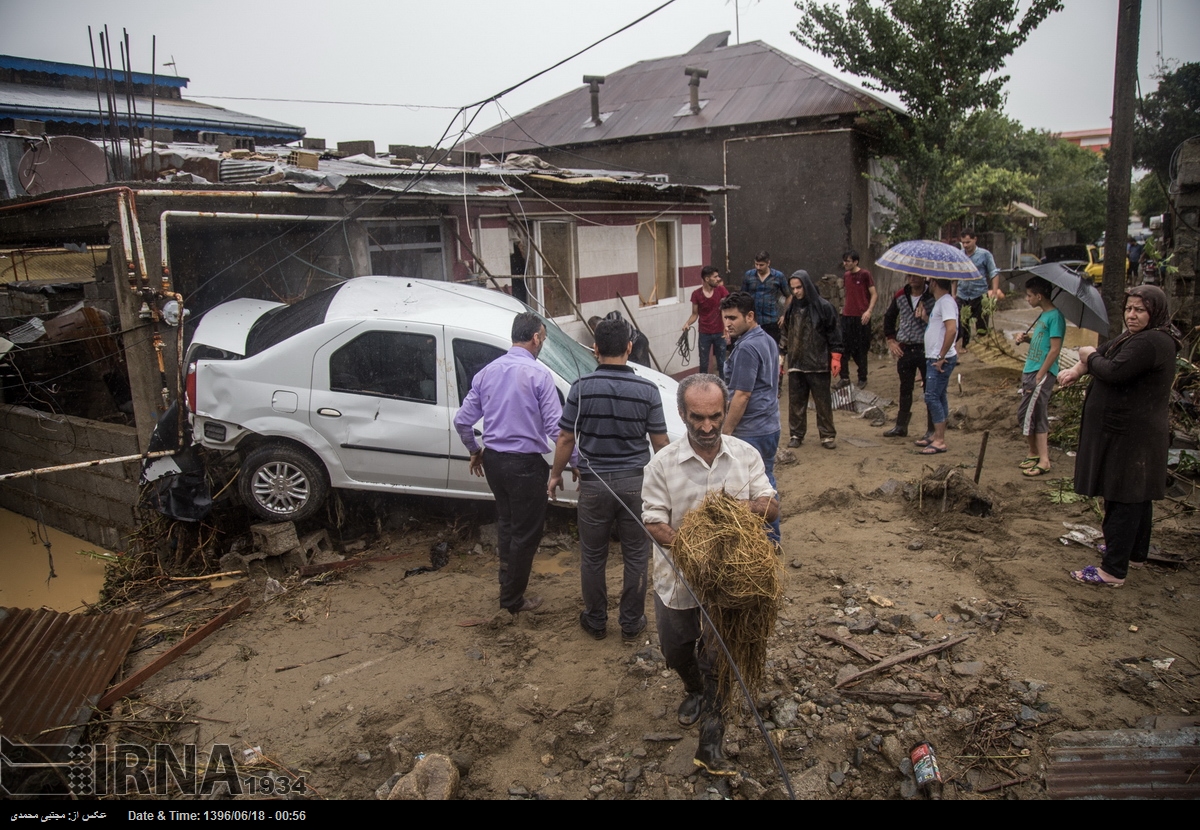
[[1166, 118], [943, 59], [1148, 197]]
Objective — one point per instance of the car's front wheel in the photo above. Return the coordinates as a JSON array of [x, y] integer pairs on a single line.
[[281, 483]]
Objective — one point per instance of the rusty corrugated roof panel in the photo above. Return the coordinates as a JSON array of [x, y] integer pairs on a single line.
[[1125, 763], [747, 84], [54, 667]]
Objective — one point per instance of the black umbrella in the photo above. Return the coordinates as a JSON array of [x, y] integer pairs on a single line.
[[1075, 295]]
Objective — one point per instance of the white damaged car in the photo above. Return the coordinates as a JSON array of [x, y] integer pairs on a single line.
[[357, 386]]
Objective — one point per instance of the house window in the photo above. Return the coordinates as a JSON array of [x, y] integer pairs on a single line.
[[657, 277], [407, 249], [557, 266]]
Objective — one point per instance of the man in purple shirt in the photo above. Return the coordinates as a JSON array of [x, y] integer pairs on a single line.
[[516, 397]]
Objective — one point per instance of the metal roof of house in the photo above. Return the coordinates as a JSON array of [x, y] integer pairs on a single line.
[[42, 103], [78, 70], [747, 84]]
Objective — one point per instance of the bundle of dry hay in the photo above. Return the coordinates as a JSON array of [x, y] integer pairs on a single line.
[[725, 555]]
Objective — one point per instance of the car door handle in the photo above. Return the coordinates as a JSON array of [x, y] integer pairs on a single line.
[[329, 413]]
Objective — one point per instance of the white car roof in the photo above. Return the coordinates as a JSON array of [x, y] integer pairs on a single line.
[[427, 301]]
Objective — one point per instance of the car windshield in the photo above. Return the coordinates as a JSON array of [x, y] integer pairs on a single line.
[[567, 358]]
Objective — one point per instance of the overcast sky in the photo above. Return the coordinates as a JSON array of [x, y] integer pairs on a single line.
[[456, 52]]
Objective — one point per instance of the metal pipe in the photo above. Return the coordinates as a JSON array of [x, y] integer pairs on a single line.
[[153, 95], [695, 73], [82, 464], [99, 106], [593, 82]]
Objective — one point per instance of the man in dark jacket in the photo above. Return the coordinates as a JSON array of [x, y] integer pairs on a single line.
[[813, 343], [904, 329]]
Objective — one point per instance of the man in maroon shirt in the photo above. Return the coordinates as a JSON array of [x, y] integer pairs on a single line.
[[856, 315], [706, 306]]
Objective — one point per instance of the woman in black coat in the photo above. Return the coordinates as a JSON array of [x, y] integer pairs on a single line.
[[1124, 433]]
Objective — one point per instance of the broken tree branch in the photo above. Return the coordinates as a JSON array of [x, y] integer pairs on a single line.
[[902, 658], [847, 643], [879, 696]]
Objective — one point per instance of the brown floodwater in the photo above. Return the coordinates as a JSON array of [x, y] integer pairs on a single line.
[[24, 567]]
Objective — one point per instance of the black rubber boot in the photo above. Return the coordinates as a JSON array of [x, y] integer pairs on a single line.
[[693, 684], [712, 733], [900, 430]]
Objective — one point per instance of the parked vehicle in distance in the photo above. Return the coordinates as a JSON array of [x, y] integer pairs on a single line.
[[1090, 259], [356, 387]]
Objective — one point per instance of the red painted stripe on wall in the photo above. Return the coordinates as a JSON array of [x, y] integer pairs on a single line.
[[593, 289]]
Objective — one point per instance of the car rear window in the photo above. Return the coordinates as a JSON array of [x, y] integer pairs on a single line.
[[281, 323]]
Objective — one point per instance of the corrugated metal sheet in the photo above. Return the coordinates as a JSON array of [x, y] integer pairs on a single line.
[[1125, 763], [747, 84], [54, 667], [238, 171], [79, 106]]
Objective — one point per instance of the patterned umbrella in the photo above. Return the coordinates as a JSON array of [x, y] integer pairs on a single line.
[[926, 258]]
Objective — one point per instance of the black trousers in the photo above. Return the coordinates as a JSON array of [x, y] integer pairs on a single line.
[[857, 342], [518, 481], [1126, 535], [681, 641], [909, 367], [800, 385]]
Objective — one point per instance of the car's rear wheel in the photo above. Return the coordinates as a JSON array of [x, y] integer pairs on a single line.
[[281, 483]]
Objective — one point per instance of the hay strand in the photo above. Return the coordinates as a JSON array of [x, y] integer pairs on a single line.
[[723, 552]]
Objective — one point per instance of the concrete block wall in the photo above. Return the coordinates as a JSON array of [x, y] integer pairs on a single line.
[[97, 504]]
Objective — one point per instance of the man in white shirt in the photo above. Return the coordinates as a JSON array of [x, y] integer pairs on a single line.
[[676, 481]]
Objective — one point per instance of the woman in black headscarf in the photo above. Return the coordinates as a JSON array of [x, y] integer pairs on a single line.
[[1124, 433]]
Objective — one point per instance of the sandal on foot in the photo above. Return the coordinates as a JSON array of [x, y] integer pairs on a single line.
[[930, 449], [923, 442], [1091, 576], [1031, 461], [1035, 471]]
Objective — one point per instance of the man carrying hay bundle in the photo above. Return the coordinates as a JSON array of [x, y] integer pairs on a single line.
[[677, 482]]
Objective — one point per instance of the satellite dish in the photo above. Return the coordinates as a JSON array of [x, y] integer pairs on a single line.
[[61, 163]]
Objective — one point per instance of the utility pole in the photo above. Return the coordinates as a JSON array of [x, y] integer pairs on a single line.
[[1120, 161]]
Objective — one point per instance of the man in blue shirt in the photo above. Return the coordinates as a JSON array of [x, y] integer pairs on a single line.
[[752, 372], [767, 286], [970, 292]]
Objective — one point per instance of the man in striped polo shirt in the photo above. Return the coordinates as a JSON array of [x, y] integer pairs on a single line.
[[608, 415]]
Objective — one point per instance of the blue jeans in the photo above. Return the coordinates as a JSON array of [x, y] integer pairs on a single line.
[[936, 384], [715, 342], [767, 446]]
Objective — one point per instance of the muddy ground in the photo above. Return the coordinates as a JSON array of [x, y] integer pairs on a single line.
[[534, 708]]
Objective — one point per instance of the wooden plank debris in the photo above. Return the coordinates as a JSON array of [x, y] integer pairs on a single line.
[[143, 674]]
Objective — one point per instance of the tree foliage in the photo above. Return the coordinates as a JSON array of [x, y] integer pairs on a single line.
[[1148, 197], [1166, 118], [1064, 180], [943, 58]]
